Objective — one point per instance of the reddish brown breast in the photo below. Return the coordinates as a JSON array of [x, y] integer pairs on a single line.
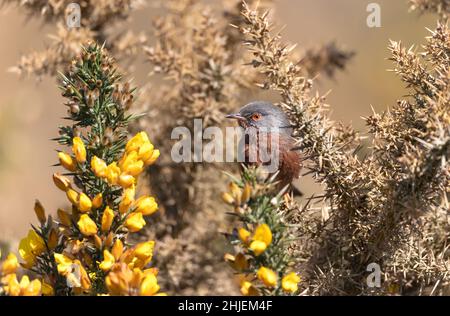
[[289, 159]]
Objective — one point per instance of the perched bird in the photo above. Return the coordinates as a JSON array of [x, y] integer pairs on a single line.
[[264, 119]]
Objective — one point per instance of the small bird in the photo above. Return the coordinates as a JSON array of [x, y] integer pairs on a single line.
[[258, 118]]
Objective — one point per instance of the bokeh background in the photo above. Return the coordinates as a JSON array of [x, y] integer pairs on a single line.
[[30, 111]]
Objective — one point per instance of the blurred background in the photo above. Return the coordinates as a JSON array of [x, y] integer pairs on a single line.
[[30, 111]]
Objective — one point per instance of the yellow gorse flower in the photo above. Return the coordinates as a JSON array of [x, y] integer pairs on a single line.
[[30, 247], [144, 250], [248, 289], [23, 288], [67, 161], [112, 173], [127, 199], [84, 203], [117, 249], [130, 164], [146, 205], [139, 152], [97, 201], [79, 150], [144, 149], [126, 180], [149, 285], [289, 283], [107, 219], [267, 276], [108, 261], [72, 196], [64, 264], [135, 222], [74, 272], [244, 235], [10, 265], [123, 280], [261, 239], [87, 226], [153, 157], [99, 167], [139, 256], [136, 142]]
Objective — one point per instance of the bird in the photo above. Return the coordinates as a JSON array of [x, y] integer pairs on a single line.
[[263, 118]]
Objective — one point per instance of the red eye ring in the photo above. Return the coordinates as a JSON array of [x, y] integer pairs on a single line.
[[256, 116]]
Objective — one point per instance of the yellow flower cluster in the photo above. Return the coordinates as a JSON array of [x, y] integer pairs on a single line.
[[95, 228], [139, 152], [30, 247], [256, 273], [258, 243], [11, 285], [237, 197], [74, 272], [262, 238], [127, 274]]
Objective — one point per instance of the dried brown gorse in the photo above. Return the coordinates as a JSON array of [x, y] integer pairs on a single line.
[[376, 209]]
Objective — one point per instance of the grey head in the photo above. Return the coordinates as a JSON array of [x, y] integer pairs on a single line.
[[262, 115]]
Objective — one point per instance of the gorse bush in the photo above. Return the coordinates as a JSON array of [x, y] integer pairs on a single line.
[[199, 56], [263, 237], [96, 21], [389, 208], [86, 250]]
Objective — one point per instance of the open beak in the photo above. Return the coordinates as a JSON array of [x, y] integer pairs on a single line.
[[236, 116]]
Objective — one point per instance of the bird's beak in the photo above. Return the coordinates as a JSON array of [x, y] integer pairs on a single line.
[[236, 116]]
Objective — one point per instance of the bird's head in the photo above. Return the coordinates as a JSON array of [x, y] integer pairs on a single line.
[[262, 115]]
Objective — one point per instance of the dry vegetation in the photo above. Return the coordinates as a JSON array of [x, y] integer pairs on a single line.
[[389, 206]]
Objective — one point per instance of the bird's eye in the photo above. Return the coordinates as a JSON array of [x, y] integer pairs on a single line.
[[256, 116]]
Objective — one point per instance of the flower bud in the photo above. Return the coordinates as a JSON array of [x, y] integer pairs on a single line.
[[98, 166], [52, 239], [107, 219], [109, 240], [117, 249], [98, 242], [40, 212], [64, 217], [97, 201], [66, 161], [79, 150], [87, 226], [84, 203], [61, 182], [72, 196]]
